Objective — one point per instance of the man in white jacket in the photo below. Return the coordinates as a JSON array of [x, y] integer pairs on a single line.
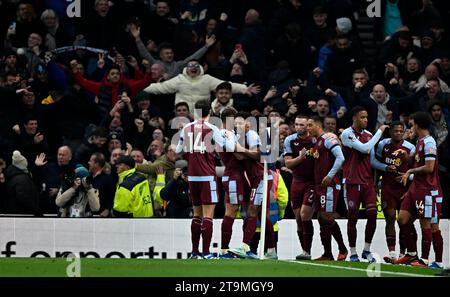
[[193, 85]]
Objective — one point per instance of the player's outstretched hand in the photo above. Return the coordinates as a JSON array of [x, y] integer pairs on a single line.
[[326, 181], [383, 127], [405, 177]]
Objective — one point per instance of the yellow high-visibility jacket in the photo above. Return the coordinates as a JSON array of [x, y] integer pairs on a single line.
[[133, 195]]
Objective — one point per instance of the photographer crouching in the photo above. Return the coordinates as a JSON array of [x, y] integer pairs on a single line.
[[76, 197]]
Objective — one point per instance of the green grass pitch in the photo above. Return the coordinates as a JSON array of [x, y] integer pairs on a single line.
[[56, 267]]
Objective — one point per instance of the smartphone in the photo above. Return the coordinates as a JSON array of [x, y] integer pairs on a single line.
[[238, 47], [13, 26]]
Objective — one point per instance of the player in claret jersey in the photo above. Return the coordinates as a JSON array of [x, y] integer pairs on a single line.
[[357, 179], [248, 150], [328, 160], [234, 183], [424, 196], [298, 157], [199, 142], [386, 159]]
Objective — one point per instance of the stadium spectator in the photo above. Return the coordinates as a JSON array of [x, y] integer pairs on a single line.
[[111, 89], [24, 24], [103, 182], [176, 193], [341, 64], [100, 27], [166, 161], [317, 34], [223, 99], [57, 34], [194, 85], [172, 68], [330, 124], [253, 39], [79, 200], [155, 150], [381, 108], [94, 143], [31, 141], [138, 156], [398, 49], [162, 25], [22, 195]]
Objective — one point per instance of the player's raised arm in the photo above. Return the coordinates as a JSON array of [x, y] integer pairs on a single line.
[[350, 140], [180, 146]]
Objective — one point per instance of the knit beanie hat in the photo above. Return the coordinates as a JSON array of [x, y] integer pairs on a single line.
[[344, 25], [81, 171], [19, 161]]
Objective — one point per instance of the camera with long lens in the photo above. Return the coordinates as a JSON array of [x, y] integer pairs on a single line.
[[87, 181]]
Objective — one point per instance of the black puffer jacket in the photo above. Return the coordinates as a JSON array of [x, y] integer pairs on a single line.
[[22, 194], [179, 203]]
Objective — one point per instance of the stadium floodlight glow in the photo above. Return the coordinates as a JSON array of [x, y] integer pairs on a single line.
[[263, 213]]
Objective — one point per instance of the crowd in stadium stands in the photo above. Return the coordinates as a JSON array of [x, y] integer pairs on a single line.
[[90, 106]]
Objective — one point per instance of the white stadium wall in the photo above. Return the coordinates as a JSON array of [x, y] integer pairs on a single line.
[[154, 238]]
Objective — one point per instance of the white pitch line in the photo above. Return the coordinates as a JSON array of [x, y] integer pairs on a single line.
[[357, 269]]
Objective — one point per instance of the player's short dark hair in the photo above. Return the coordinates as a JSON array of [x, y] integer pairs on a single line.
[[357, 109], [422, 119], [395, 123], [228, 112], [204, 106], [224, 86], [317, 120], [242, 114]]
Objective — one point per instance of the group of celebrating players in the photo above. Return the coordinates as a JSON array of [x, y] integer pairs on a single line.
[[322, 165]]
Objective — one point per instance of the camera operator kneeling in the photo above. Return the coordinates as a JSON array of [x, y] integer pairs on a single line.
[[78, 199]]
